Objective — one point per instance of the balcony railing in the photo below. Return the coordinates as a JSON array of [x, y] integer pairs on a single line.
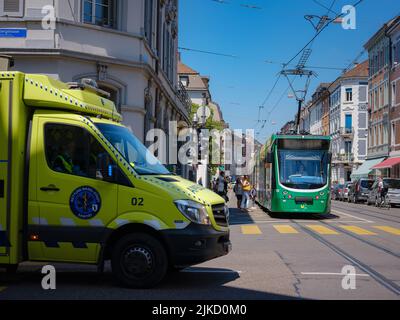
[[346, 132], [184, 97], [343, 157]]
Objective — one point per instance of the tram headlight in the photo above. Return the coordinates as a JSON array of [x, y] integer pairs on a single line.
[[194, 211]]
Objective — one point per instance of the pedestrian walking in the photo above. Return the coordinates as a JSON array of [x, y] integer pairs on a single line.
[[222, 186], [246, 192], [238, 190], [253, 196]]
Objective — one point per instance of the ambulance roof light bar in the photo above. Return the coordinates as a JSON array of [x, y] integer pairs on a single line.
[[89, 85]]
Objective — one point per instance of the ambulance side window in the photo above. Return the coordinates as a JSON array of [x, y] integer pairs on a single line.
[[73, 150]]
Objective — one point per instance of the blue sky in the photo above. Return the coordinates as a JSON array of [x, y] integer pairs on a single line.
[[273, 33]]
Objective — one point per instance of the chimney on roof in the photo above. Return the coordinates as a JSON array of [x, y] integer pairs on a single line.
[[179, 56]]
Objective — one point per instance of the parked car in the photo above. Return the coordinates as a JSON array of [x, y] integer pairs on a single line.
[[393, 191], [344, 195], [360, 189], [337, 189]]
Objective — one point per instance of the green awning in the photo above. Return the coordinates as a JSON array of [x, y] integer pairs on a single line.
[[364, 170]]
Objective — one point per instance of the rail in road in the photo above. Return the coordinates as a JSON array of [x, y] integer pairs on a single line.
[[358, 222], [273, 257]]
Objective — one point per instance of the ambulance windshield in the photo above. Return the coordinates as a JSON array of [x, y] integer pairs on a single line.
[[140, 158]]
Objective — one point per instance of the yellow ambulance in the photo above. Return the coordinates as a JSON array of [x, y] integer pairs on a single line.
[[76, 186]]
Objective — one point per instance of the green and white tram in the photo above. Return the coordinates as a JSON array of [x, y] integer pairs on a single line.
[[293, 174]]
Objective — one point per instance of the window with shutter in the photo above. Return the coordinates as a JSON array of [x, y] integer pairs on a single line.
[[362, 93], [12, 8], [148, 21]]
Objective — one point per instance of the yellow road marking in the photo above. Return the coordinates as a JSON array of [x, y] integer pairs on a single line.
[[359, 231], [321, 229], [285, 229], [251, 230], [2, 288], [391, 230]]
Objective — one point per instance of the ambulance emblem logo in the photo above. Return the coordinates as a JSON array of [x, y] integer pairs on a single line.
[[85, 203]]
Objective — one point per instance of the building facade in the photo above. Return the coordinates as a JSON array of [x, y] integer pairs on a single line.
[[378, 47], [289, 127], [394, 35], [197, 88], [324, 95], [317, 112], [305, 118], [128, 47], [349, 122]]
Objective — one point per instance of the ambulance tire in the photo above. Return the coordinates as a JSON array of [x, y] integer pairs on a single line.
[[139, 261]]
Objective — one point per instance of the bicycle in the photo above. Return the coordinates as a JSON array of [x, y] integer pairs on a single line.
[[385, 203]]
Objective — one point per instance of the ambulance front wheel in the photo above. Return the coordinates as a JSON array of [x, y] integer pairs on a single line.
[[139, 261]]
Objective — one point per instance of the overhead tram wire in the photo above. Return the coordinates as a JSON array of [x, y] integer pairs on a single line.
[[304, 58], [291, 60], [209, 52], [243, 5], [319, 32], [354, 61], [325, 7], [227, 55], [277, 103], [322, 28]]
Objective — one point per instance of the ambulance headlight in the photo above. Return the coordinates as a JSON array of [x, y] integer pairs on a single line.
[[194, 211]]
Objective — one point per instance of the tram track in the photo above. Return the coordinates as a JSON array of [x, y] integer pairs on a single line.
[[372, 244], [377, 216], [367, 207], [380, 278]]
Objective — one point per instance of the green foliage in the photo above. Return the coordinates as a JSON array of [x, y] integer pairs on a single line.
[[210, 123]]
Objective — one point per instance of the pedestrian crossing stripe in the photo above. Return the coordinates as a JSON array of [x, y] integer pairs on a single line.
[[285, 229], [251, 229], [359, 231], [391, 230], [321, 229]]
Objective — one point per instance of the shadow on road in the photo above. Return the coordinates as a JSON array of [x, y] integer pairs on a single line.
[[198, 283], [302, 216], [238, 216]]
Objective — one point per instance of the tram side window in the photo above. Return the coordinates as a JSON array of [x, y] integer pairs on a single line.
[[73, 150]]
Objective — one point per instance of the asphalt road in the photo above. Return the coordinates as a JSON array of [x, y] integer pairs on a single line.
[[292, 257]]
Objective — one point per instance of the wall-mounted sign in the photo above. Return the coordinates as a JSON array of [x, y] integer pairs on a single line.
[[13, 33]]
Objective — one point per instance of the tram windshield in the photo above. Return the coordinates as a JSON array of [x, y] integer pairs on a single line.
[[302, 168]]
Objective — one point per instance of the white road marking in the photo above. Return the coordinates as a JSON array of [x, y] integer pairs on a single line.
[[349, 215], [209, 271], [335, 274], [346, 221]]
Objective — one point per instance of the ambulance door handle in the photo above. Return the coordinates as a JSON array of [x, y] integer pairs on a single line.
[[49, 188], [1, 188]]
